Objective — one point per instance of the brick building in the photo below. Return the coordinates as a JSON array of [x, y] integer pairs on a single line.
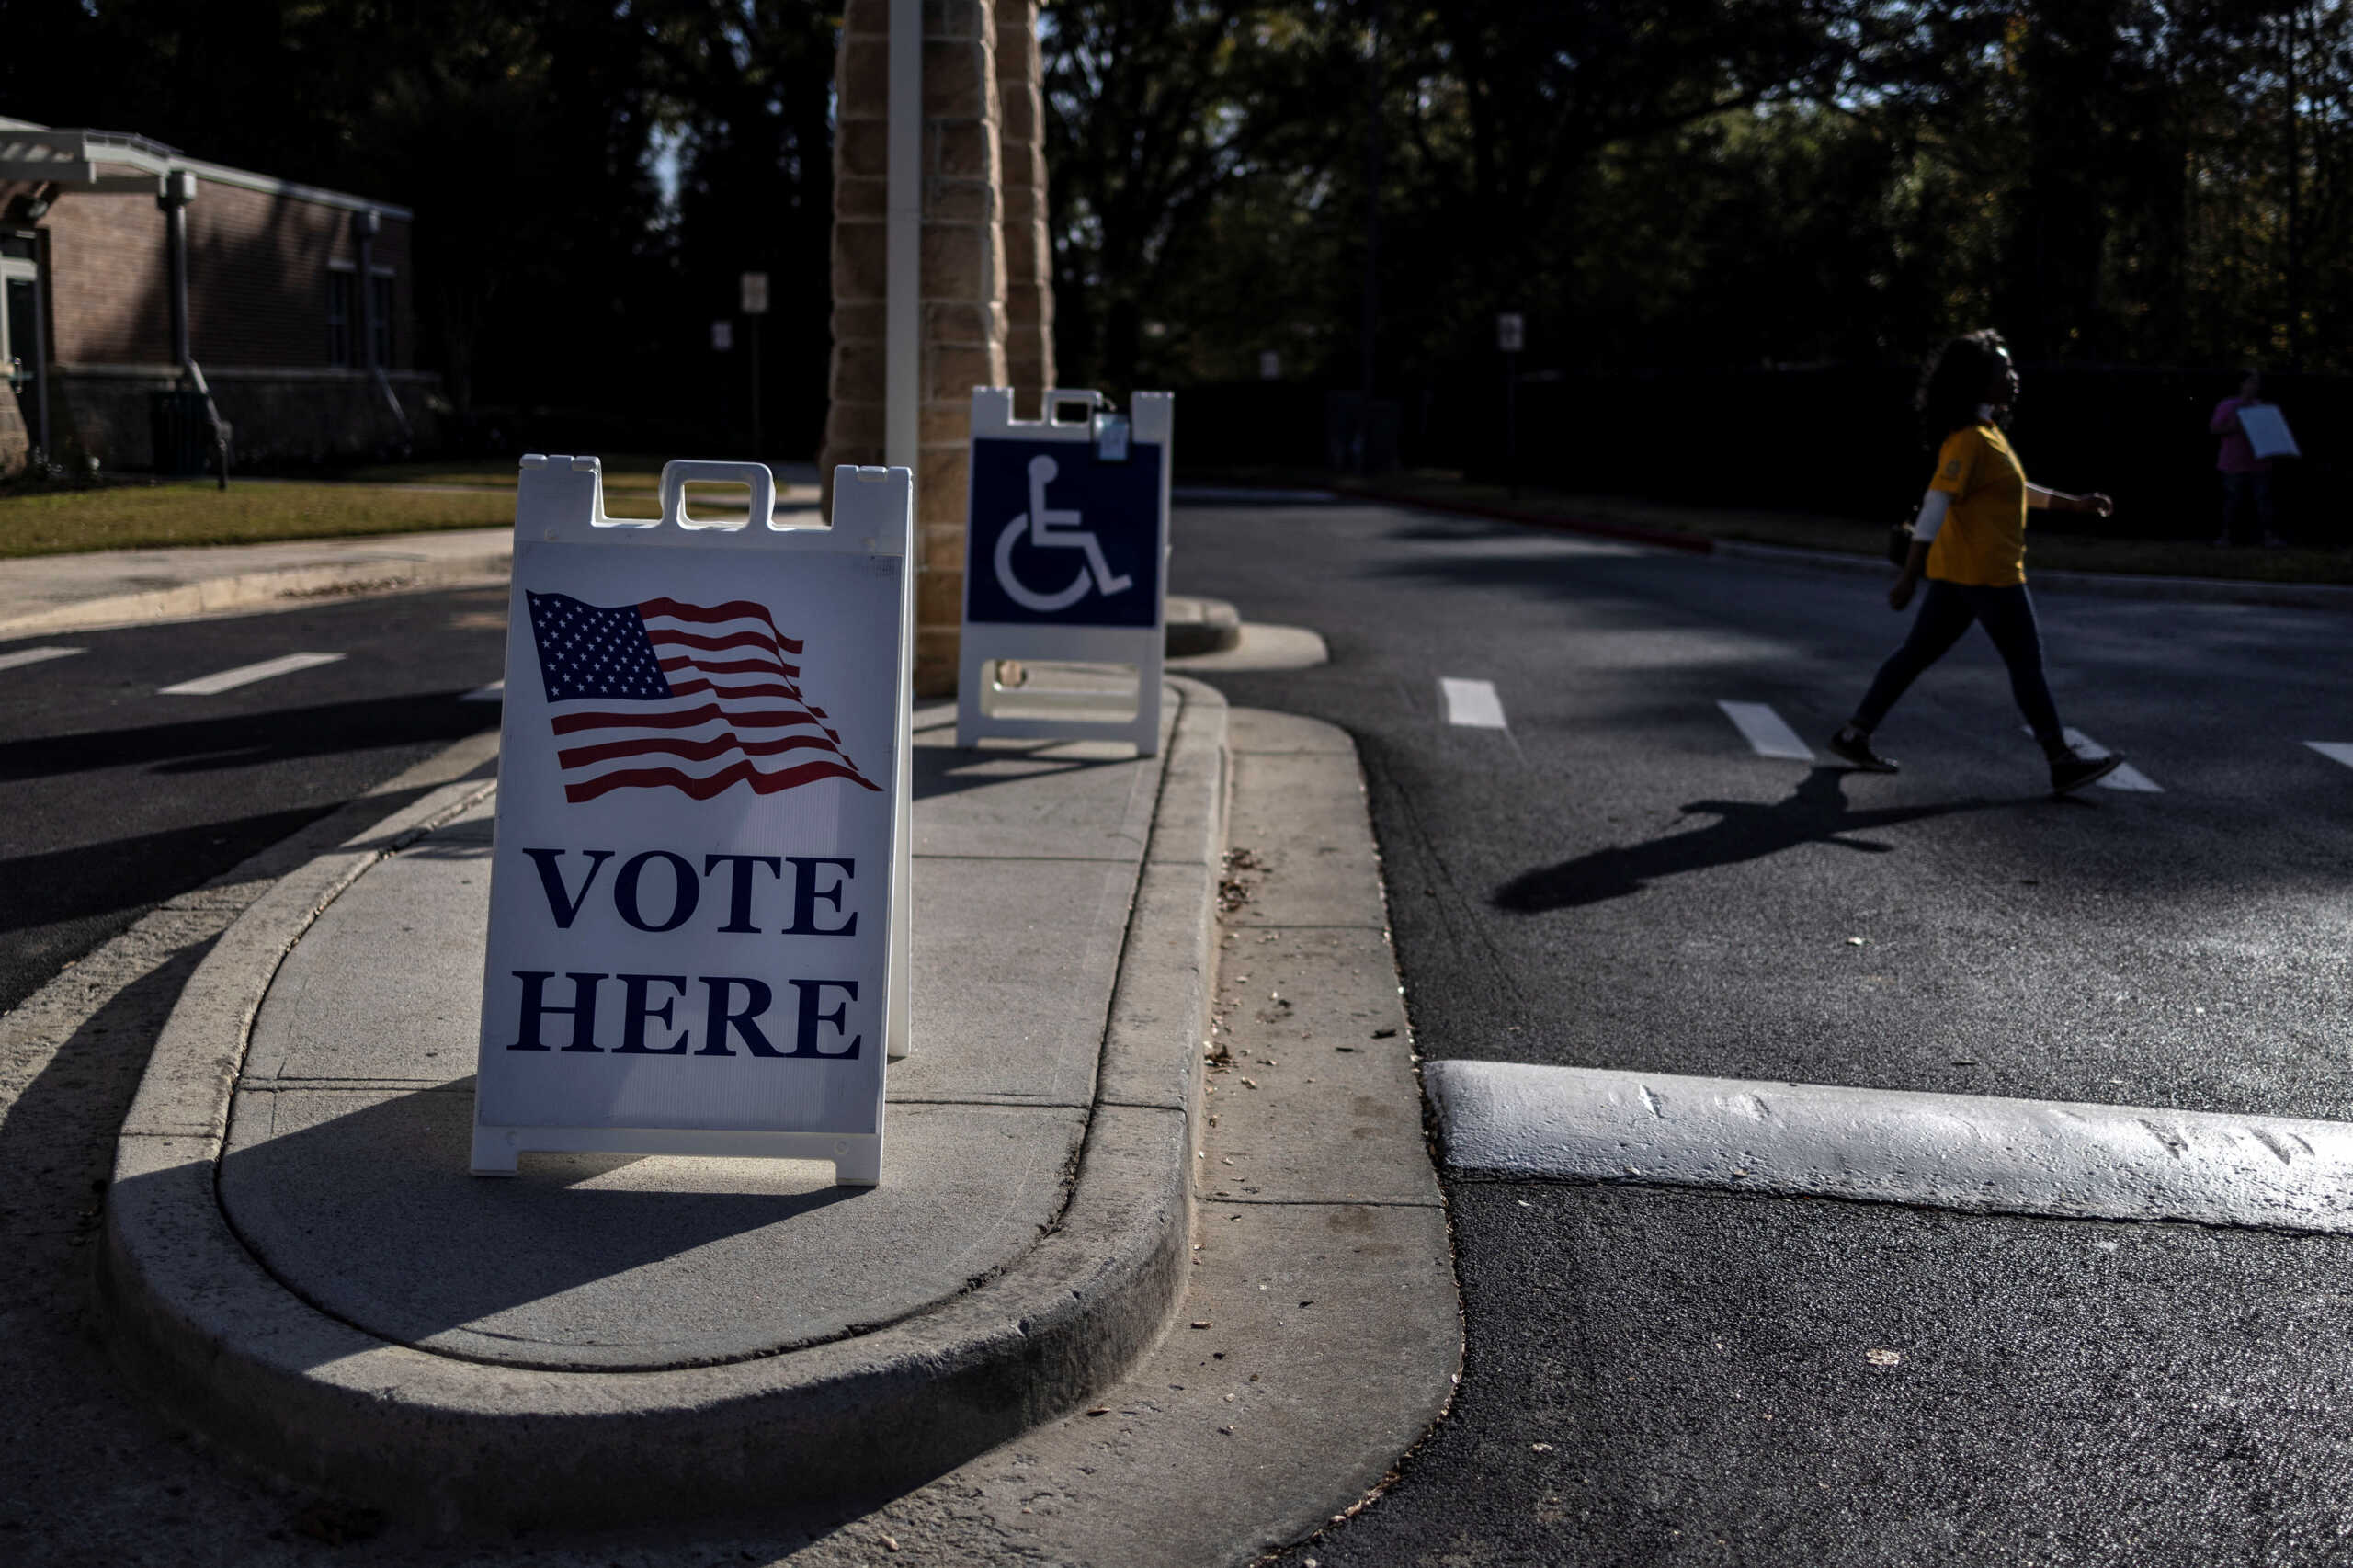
[[127, 269]]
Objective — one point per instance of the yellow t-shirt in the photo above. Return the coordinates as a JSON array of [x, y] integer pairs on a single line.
[[1984, 539]]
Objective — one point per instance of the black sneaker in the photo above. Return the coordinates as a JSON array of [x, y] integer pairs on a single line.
[[2072, 772], [1852, 746]]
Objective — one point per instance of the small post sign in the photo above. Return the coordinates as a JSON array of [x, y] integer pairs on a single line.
[[697, 906], [1511, 336], [1066, 544], [723, 337], [755, 287]]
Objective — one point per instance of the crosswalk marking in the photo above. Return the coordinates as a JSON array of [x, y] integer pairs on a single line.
[[1471, 702], [246, 675], [23, 656], [2125, 778], [2335, 751], [495, 692], [1765, 730]]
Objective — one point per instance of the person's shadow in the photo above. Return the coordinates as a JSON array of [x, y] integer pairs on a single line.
[[1815, 813]]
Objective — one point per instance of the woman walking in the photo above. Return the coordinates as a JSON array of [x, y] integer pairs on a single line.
[[1970, 542]]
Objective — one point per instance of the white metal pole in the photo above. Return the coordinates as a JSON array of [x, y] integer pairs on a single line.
[[903, 430], [903, 242]]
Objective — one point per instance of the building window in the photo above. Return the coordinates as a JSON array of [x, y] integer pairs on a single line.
[[340, 302], [380, 318]]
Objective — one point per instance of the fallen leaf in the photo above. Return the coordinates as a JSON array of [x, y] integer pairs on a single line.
[[1854, 941], [1541, 1448], [1201, 1323], [1100, 1410], [1883, 1357], [1383, 1034]]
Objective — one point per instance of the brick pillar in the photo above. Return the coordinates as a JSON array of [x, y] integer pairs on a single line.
[[1028, 259], [861, 186], [962, 317]]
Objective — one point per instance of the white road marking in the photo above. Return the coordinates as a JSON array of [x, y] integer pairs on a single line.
[[1765, 730], [1471, 702], [495, 692], [2335, 751], [24, 656], [246, 675], [2125, 778], [1973, 1153]]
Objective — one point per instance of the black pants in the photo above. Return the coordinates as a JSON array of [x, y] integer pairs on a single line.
[[2240, 490], [1946, 610]]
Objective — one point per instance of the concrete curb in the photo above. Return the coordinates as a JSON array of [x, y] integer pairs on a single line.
[[2107, 584], [1199, 626], [255, 590], [196, 1322], [1664, 539], [1322, 1331], [2104, 584]]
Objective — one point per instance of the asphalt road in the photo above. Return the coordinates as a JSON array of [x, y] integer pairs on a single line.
[[1616, 878], [116, 795]]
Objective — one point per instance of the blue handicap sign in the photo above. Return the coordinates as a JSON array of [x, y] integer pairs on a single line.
[[1060, 539]]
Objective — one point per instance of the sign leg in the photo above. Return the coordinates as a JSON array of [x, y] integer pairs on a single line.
[[859, 1165], [495, 1153]]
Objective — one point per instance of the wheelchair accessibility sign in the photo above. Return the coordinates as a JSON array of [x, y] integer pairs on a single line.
[[1065, 569], [1063, 538]]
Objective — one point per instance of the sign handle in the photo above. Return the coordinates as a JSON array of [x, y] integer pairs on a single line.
[[677, 474]]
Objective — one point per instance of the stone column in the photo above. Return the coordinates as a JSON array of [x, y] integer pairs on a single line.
[[1028, 255], [963, 289]]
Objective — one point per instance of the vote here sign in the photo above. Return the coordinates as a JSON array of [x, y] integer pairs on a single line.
[[696, 856]]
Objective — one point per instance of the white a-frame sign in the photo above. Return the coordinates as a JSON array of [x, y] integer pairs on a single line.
[[698, 905], [1065, 561]]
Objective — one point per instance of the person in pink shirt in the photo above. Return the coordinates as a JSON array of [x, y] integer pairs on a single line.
[[2245, 477]]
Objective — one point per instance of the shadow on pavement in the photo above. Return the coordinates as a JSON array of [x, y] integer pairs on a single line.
[[1815, 813], [245, 740], [389, 1178], [937, 771]]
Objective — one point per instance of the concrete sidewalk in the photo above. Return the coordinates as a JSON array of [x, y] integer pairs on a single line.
[[298, 1266], [44, 593], [126, 588]]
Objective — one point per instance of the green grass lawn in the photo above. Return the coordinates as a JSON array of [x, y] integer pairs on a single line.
[[390, 499], [147, 517], [630, 473]]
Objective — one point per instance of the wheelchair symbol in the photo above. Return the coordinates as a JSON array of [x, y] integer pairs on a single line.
[[1054, 530]]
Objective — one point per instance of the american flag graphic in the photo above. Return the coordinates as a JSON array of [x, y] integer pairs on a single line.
[[670, 696]]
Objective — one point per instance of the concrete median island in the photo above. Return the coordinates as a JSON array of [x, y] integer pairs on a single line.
[[298, 1266]]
